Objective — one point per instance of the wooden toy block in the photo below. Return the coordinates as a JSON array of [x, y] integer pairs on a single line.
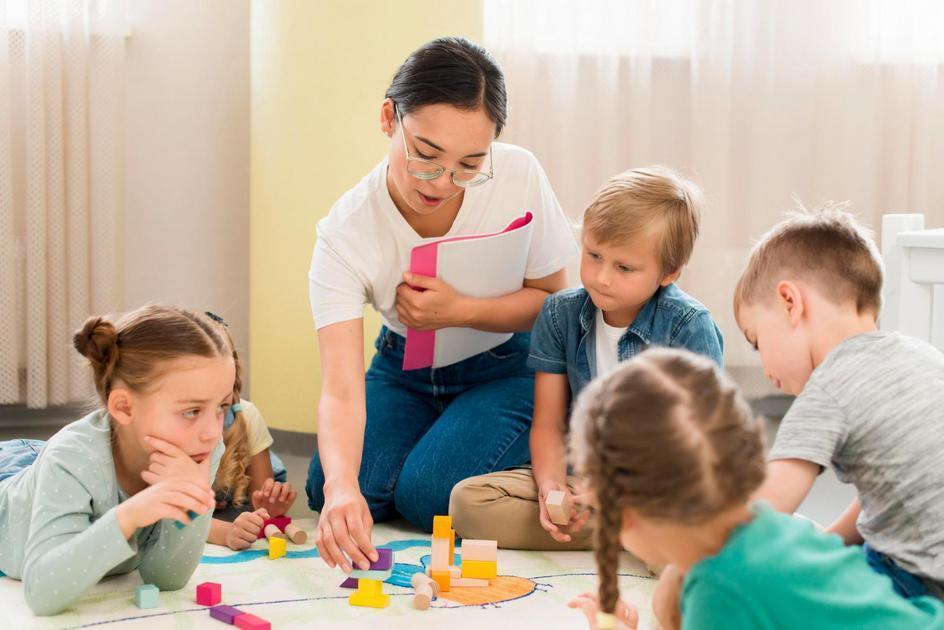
[[485, 550], [454, 571], [442, 525], [351, 582], [147, 596], [440, 554], [209, 593], [475, 582], [226, 614], [479, 569], [276, 547], [296, 534], [381, 570], [279, 521], [421, 579], [443, 579], [247, 621], [422, 597], [452, 546], [369, 594], [558, 507], [271, 530]]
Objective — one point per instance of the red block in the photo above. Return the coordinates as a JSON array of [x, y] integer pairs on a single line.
[[209, 593], [279, 521], [251, 622]]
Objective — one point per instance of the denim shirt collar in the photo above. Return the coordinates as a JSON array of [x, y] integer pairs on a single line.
[[641, 326]]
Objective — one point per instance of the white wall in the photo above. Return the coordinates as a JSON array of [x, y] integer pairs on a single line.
[[187, 169]]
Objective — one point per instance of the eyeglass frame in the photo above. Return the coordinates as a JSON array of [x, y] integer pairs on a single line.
[[428, 177]]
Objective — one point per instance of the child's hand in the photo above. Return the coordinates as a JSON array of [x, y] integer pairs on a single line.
[[245, 529], [170, 462], [276, 497], [578, 517], [169, 498], [626, 616]]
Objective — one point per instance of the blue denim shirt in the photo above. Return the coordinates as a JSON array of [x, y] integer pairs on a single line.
[[562, 340]]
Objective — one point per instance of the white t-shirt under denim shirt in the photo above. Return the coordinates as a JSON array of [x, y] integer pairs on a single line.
[[364, 243], [607, 339]]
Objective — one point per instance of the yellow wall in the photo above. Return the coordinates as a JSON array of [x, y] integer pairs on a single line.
[[319, 72]]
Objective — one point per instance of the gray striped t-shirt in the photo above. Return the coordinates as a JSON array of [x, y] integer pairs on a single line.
[[874, 412]]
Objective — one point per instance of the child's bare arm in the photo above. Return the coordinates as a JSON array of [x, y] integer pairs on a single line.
[[787, 484], [845, 525], [548, 449]]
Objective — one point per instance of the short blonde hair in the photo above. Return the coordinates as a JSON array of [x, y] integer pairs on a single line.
[[826, 247], [639, 199]]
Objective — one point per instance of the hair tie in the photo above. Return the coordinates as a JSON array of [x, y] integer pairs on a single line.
[[606, 621], [216, 318], [236, 407]]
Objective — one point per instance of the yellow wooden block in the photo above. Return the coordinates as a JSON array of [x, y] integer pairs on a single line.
[[452, 546], [276, 547], [369, 587], [443, 579], [442, 525], [479, 569], [369, 601]]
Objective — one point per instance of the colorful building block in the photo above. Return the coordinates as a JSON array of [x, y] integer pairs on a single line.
[[453, 570], [351, 582], [452, 546], [558, 507], [485, 550], [277, 546], [209, 593], [296, 534], [479, 569], [473, 582], [369, 594], [226, 614], [439, 557], [423, 596], [247, 621], [380, 570], [443, 579], [421, 579], [279, 521], [147, 596], [442, 525]]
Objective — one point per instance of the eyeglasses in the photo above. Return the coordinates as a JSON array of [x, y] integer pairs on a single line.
[[427, 170]]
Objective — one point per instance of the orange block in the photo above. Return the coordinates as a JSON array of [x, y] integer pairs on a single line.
[[442, 525], [443, 579]]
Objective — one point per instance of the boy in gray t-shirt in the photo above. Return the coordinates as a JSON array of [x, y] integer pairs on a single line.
[[870, 403]]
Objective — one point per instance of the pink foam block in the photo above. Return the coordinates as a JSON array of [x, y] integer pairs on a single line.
[[209, 593], [279, 521], [247, 621]]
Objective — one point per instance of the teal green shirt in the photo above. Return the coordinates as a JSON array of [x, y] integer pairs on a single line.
[[58, 531], [778, 571]]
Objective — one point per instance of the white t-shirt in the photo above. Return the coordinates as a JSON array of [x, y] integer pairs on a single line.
[[364, 243], [606, 338]]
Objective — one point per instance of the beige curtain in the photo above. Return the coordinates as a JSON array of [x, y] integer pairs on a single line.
[[758, 101], [61, 104]]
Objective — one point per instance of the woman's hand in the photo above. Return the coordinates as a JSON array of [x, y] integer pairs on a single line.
[[344, 528], [578, 516], [626, 616], [276, 497], [425, 303], [245, 529], [169, 498]]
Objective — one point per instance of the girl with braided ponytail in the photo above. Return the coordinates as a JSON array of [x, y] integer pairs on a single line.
[[128, 486], [669, 448]]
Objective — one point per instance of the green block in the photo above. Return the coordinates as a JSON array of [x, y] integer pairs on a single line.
[[380, 576], [147, 596]]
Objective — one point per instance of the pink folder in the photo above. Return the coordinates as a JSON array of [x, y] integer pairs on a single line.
[[481, 265]]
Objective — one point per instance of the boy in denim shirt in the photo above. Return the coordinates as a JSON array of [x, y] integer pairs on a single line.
[[638, 234]]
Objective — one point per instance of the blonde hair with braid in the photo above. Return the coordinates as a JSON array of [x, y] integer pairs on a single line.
[[669, 436], [232, 479]]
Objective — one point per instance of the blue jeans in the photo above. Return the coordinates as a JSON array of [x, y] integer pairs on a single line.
[[15, 455], [906, 584], [428, 429]]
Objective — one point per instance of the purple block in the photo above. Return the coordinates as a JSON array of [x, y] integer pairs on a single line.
[[226, 614], [349, 583], [384, 561]]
